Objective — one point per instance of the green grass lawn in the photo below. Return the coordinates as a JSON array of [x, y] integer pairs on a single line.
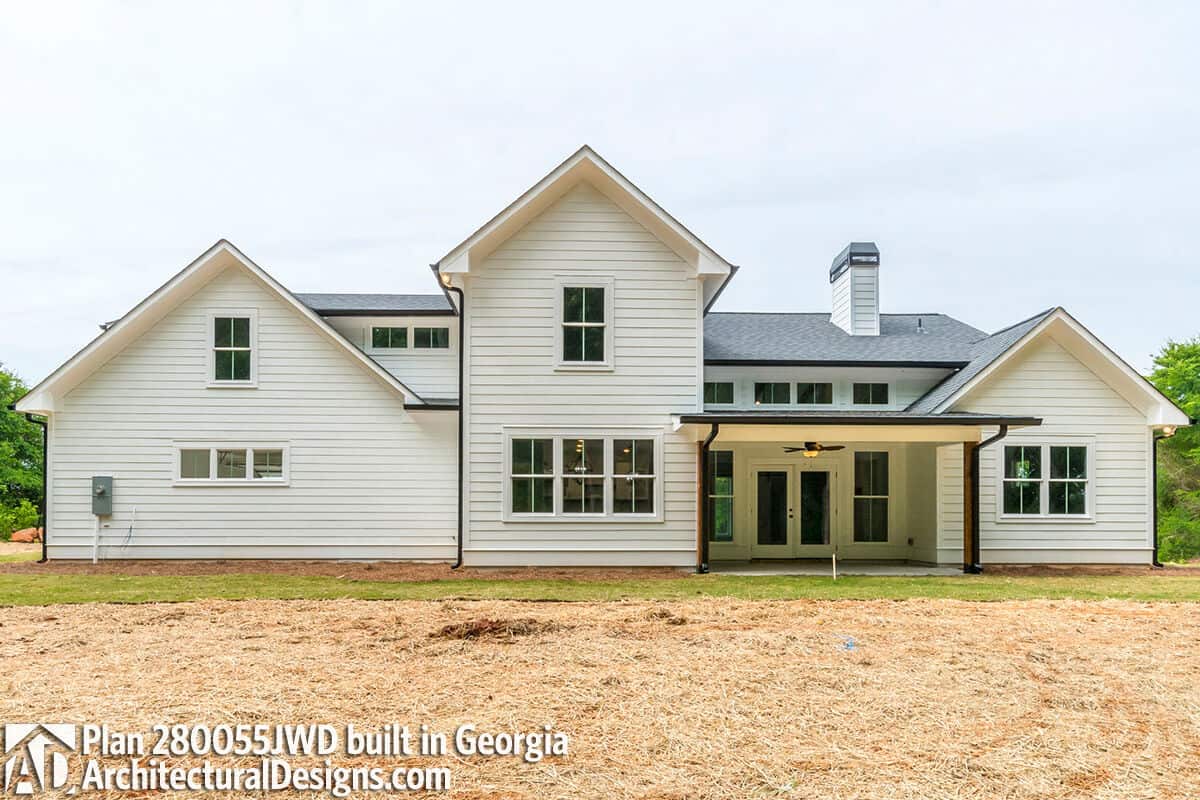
[[10, 557], [20, 590]]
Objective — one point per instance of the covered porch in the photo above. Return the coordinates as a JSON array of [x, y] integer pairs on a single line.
[[795, 490]]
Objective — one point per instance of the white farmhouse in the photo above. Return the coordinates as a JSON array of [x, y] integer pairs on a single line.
[[568, 397]]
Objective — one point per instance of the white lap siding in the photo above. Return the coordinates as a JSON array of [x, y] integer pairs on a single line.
[[367, 480], [1076, 407], [512, 379]]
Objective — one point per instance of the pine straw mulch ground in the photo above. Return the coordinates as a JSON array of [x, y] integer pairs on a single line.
[[710, 698]]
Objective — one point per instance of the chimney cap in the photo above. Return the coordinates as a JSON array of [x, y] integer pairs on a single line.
[[857, 254]]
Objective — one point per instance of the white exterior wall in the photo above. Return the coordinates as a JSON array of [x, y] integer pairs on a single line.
[[431, 373], [1077, 407], [512, 380], [367, 480], [905, 385], [856, 301]]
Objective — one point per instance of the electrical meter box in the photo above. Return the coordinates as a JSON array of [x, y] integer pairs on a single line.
[[102, 495]]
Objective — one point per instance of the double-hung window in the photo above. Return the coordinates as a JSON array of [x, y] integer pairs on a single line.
[[583, 476], [584, 323], [261, 465], [633, 476], [587, 476], [532, 476], [1045, 480], [231, 342], [720, 496], [870, 496]]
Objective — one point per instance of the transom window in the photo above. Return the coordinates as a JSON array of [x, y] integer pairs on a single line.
[[1045, 480], [720, 392], [231, 347], [772, 393], [720, 496], [588, 476], [870, 394], [389, 338], [814, 393], [870, 497], [231, 464], [431, 338], [583, 325]]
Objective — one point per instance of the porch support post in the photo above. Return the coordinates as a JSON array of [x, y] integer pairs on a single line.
[[702, 502], [970, 485]]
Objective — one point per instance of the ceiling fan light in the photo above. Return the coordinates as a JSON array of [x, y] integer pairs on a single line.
[[811, 453]]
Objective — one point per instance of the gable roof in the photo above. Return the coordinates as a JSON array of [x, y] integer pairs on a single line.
[[41, 399], [363, 305], [585, 164], [732, 338], [1005, 344]]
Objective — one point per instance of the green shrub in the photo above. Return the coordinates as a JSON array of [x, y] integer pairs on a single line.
[[24, 515]]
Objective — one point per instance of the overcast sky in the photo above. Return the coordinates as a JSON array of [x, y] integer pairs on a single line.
[[1006, 159]]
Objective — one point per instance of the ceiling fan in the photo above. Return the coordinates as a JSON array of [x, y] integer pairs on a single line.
[[814, 449]]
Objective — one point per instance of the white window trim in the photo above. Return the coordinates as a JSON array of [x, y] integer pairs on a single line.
[[584, 282], [1045, 443], [733, 503], [213, 447], [731, 404], [558, 435], [890, 394], [369, 337], [412, 339], [210, 348]]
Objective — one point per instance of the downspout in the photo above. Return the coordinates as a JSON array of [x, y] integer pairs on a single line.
[[705, 491], [1155, 563], [976, 567], [462, 346], [42, 503]]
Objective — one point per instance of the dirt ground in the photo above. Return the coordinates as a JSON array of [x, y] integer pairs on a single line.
[[701, 699]]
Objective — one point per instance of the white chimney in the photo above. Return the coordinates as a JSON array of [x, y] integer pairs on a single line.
[[855, 279]]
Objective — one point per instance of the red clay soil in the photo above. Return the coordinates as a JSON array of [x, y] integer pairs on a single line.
[[352, 570], [408, 571]]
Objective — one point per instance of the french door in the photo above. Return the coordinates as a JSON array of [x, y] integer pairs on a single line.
[[792, 511]]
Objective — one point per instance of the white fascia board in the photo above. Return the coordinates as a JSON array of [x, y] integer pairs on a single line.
[[1106, 364]]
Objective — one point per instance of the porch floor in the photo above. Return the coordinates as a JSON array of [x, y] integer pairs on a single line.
[[823, 567]]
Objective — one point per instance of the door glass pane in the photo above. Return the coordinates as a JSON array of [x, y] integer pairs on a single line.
[[772, 507], [814, 507]]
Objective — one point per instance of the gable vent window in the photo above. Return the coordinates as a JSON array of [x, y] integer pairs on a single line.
[[772, 394], [720, 393], [814, 394], [870, 394], [431, 338], [232, 349], [389, 338]]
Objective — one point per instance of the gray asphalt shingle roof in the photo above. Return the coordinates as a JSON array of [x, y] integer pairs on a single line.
[[733, 337], [360, 304], [984, 352]]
